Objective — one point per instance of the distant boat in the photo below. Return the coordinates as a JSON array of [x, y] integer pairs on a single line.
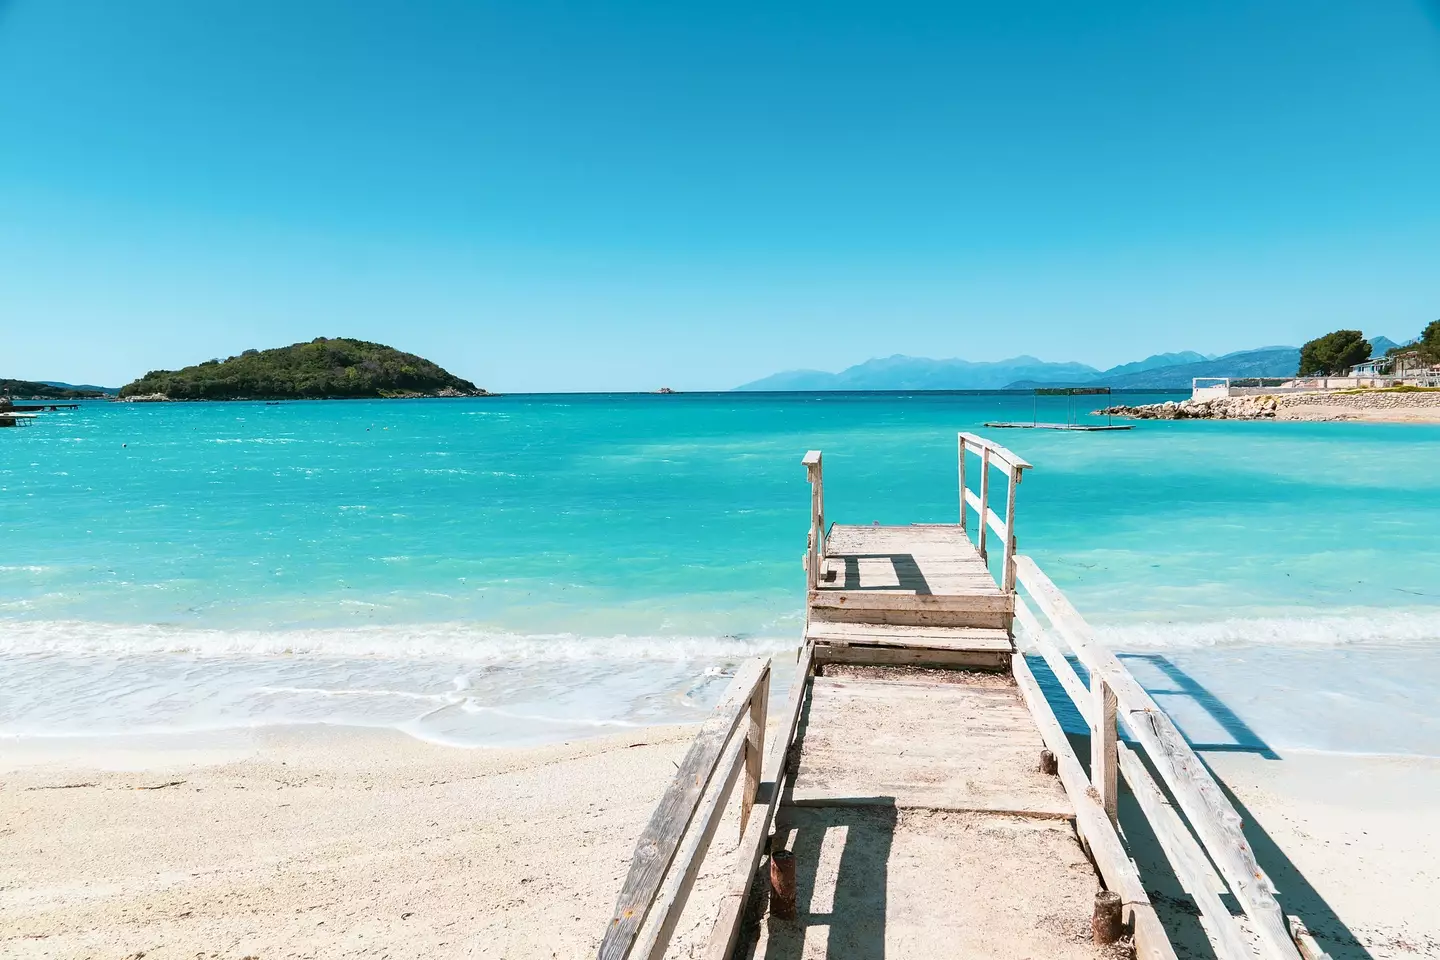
[[664, 390]]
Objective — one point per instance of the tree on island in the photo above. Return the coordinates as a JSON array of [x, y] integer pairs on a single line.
[[1333, 354]]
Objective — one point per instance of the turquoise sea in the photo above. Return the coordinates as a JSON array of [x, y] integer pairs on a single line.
[[523, 568]]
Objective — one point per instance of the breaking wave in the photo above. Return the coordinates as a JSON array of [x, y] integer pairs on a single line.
[[1376, 626], [451, 641]]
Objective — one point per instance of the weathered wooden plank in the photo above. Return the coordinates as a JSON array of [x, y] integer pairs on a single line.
[[1205, 806], [754, 747], [1185, 856], [815, 548], [657, 845], [982, 640], [1103, 739], [939, 618], [1116, 867], [922, 538], [973, 499], [993, 519], [929, 535], [752, 844], [680, 880], [1041, 640], [911, 656], [972, 638], [937, 746], [1007, 576], [1308, 946], [964, 520], [899, 600], [997, 452], [984, 507]]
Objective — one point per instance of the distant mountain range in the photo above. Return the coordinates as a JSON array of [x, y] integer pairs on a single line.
[[1163, 371], [84, 387], [42, 390]]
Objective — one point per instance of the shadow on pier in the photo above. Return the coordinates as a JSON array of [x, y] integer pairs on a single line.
[[1178, 693]]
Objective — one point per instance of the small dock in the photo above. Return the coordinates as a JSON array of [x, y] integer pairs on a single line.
[[20, 414], [1072, 413], [918, 796], [1080, 427]]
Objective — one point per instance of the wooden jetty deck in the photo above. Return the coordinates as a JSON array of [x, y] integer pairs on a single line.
[[919, 797], [1076, 427]]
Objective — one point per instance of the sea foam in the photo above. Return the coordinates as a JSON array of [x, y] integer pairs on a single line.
[[450, 641], [1356, 627]]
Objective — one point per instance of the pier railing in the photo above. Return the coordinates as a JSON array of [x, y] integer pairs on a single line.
[[815, 548], [669, 853], [991, 455], [1195, 823]]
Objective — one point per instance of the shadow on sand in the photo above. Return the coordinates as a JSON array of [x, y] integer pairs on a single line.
[[854, 921], [1177, 910]]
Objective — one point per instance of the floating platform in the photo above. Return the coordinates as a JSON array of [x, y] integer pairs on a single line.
[[918, 796], [1086, 427]]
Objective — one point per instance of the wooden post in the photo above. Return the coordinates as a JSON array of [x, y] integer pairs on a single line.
[[754, 748], [1104, 761], [1048, 764], [964, 522], [782, 884], [1107, 926], [815, 549], [984, 497], [1007, 575]]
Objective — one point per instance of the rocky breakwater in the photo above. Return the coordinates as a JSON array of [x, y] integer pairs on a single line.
[[1412, 405], [1222, 408]]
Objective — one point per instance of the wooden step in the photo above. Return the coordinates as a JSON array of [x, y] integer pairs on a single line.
[[976, 648], [993, 610], [988, 639]]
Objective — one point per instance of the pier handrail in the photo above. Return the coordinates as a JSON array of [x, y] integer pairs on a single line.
[[1214, 832], [992, 455], [815, 549], [674, 843]]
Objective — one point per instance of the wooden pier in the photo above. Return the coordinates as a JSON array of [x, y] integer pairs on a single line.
[[918, 796], [19, 415]]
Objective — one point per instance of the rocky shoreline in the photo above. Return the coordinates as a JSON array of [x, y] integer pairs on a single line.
[[1380, 405]]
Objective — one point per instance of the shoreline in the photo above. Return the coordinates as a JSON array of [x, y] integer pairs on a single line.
[[338, 841], [1347, 407]]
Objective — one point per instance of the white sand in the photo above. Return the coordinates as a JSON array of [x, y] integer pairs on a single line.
[[324, 842], [331, 842], [1352, 843]]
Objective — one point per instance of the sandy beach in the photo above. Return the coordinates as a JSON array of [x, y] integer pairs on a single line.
[[333, 842], [320, 842]]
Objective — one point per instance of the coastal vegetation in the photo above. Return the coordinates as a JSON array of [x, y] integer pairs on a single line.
[[1333, 354], [1428, 346], [31, 390], [323, 368]]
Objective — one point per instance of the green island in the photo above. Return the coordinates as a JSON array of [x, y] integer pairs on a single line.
[[323, 368]]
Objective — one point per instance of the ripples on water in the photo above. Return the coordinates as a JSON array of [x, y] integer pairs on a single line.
[[515, 569]]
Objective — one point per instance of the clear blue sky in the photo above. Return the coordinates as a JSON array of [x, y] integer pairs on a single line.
[[619, 196]]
